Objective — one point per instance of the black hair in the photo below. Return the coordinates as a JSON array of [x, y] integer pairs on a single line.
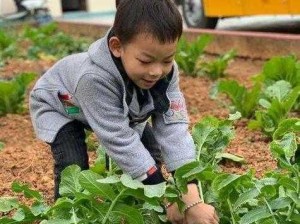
[[117, 3], [159, 18]]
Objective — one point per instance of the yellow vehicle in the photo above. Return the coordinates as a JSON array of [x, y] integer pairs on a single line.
[[205, 13]]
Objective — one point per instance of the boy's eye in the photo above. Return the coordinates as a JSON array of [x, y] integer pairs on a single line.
[[144, 62], [168, 62]]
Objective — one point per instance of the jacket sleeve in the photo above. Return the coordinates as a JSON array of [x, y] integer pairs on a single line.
[[101, 101], [171, 128]]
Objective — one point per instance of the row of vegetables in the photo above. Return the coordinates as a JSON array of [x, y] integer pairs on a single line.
[[109, 196]]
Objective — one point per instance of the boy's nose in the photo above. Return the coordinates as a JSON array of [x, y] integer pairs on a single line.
[[156, 71]]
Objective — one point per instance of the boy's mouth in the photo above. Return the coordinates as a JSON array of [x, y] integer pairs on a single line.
[[149, 82]]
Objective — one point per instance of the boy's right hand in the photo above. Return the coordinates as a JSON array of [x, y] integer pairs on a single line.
[[174, 215], [199, 214]]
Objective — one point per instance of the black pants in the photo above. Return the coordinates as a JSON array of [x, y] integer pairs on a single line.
[[69, 148]]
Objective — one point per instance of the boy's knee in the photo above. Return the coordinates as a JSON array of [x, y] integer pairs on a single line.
[[73, 159]]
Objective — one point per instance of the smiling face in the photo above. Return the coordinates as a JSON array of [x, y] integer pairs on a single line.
[[145, 59]]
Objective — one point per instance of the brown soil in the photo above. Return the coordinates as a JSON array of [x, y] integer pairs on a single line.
[[26, 159]]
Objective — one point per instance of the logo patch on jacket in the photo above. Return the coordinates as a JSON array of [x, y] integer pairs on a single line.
[[68, 104], [177, 111]]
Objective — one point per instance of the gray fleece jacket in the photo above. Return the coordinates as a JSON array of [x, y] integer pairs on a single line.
[[88, 87]]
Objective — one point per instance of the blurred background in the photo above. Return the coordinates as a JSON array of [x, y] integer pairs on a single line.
[[281, 16]]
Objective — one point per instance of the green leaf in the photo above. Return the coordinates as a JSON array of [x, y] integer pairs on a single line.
[[295, 218], [180, 172], [140, 194], [18, 187], [69, 184], [156, 208], [245, 197], [287, 125], [189, 52], [294, 196], [131, 215], [269, 119], [74, 217], [8, 221], [12, 93], [194, 172], [109, 180], [151, 216], [202, 130], [24, 215], [255, 215], [156, 190], [216, 68], [281, 68], [8, 203], [264, 103], [233, 117], [279, 90], [280, 203], [127, 181], [224, 180], [243, 100], [288, 183], [211, 135], [287, 146], [267, 181], [231, 157], [88, 180], [56, 221], [39, 208]]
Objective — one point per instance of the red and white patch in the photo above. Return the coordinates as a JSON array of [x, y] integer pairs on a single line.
[[177, 111]]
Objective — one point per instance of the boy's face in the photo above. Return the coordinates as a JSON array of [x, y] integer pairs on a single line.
[[145, 59]]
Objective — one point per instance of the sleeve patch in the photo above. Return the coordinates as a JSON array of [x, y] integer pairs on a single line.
[[177, 113]]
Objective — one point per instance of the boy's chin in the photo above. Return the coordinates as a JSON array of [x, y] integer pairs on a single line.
[[145, 87]]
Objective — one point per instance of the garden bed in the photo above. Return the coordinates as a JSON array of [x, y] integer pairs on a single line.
[[222, 97], [26, 159]]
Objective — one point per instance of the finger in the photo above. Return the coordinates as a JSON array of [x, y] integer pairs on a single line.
[[216, 220], [216, 215]]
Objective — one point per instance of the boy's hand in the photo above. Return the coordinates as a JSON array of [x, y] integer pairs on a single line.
[[174, 215], [201, 213]]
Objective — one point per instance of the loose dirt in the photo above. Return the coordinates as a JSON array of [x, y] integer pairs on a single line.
[[25, 158]]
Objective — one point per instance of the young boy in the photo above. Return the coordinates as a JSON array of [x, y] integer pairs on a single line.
[[125, 77]]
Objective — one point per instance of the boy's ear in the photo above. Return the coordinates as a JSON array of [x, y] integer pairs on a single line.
[[115, 46]]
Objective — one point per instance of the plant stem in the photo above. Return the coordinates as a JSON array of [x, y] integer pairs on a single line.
[[270, 210], [200, 190], [231, 211], [298, 191], [112, 206], [199, 151], [268, 206]]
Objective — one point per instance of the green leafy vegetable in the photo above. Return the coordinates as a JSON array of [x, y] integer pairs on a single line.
[[12, 93], [243, 100], [215, 69], [188, 53]]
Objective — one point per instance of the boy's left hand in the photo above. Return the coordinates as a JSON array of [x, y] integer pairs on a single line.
[[174, 215]]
